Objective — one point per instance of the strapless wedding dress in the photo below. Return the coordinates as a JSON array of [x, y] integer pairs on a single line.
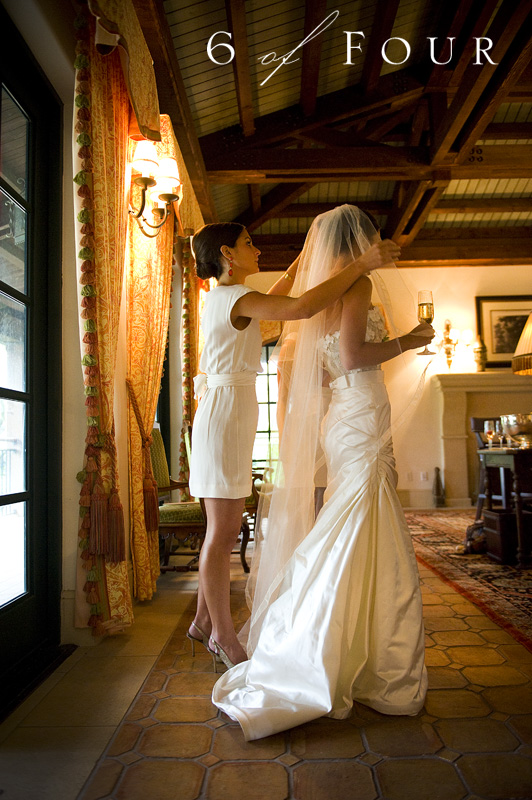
[[347, 622]]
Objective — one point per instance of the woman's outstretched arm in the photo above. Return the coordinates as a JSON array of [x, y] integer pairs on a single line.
[[255, 305], [286, 281], [355, 352]]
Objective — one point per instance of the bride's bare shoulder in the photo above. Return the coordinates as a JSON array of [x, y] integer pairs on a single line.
[[360, 289]]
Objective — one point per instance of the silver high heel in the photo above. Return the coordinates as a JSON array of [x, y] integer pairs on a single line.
[[219, 653], [195, 640]]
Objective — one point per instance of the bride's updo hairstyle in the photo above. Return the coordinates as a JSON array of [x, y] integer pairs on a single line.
[[206, 244]]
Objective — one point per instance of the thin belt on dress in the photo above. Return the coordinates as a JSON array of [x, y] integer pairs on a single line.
[[203, 382]]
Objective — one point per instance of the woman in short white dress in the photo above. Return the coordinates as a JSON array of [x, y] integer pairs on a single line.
[[225, 423]]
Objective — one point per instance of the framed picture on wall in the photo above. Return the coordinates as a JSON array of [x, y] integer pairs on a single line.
[[500, 321]]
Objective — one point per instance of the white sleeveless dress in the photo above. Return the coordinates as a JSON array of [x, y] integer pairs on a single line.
[[347, 622], [226, 420]]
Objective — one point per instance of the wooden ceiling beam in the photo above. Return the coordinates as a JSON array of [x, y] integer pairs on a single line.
[[333, 137], [378, 128], [393, 90], [272, 204], [424, 207], [502, 31], [512, 65], [470, 20], [255, 199], [381, 30], [315, 12], [412, 206], [236, 17], [505, 205], [455, 15], [173, 99], [468, 247], [367, 163], [507, 130], [444, 247], [407, 197], [481, 205], [420, 123]]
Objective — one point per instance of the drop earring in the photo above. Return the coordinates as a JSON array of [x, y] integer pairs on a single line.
[[230, 270]]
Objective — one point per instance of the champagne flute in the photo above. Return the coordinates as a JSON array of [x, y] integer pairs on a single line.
[[489, 430], [425, 313]]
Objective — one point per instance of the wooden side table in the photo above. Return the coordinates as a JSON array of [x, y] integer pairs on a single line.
[[519, 462]]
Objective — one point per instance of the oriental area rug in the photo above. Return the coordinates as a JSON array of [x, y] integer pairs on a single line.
[[503, 592]]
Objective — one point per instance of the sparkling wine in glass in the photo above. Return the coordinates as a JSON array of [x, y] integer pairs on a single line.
[[489, 430], [425, 313]]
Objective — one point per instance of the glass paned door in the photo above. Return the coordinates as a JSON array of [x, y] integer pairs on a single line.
[[30, 368], [14, 304]]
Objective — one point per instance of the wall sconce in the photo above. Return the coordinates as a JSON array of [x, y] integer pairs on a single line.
[[449, 341], [522, 358], [158, 182], [455, 344]]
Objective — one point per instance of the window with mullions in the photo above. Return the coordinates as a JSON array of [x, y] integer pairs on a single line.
[[266, 448]]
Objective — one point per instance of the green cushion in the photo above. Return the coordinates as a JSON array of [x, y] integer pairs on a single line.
[[174, 513]]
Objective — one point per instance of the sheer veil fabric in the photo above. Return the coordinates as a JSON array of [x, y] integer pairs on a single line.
[[286, 511]]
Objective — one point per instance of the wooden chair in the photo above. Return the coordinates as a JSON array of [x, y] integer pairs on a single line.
[[185, 522], [250, 516]]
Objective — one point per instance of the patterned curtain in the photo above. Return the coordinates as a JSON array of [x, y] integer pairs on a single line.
[[149, 288], [103, 599]]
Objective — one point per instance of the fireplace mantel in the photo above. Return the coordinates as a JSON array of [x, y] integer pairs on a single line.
[[475, 394]]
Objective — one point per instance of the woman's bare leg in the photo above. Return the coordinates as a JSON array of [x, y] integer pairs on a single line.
[[224, 518]]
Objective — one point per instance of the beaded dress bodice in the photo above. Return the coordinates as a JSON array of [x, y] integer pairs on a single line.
[[330, 345]]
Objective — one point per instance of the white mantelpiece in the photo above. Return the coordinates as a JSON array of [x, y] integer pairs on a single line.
[[465, 395]]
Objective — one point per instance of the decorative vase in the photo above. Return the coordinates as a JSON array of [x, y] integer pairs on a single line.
[[480, 353]]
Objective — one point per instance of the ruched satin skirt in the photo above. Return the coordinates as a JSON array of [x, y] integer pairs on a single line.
[[347, 623]]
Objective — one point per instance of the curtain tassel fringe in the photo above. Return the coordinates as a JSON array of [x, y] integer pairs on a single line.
[[99, 530], [151, 505]]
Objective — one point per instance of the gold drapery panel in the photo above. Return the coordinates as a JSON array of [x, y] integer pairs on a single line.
[[149, 287], [118, 25], [103, 600]]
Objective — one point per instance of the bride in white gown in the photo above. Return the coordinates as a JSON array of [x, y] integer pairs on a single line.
[[336, 612]]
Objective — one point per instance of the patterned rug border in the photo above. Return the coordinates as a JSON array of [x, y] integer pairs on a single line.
[[489, 612], [464, 584]]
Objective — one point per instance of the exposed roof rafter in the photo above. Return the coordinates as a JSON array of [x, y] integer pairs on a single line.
[[236, 17], [315, 12]]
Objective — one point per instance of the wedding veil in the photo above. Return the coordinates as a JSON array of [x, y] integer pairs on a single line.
[[286, 510]]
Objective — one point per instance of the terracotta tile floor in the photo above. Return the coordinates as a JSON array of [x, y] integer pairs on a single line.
[[473, 739], [131, 718]]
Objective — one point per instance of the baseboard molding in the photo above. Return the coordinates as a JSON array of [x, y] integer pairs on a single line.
[[82, 637]]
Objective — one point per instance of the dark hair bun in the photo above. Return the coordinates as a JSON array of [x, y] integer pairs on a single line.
[[206, 245], [208, 269]]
